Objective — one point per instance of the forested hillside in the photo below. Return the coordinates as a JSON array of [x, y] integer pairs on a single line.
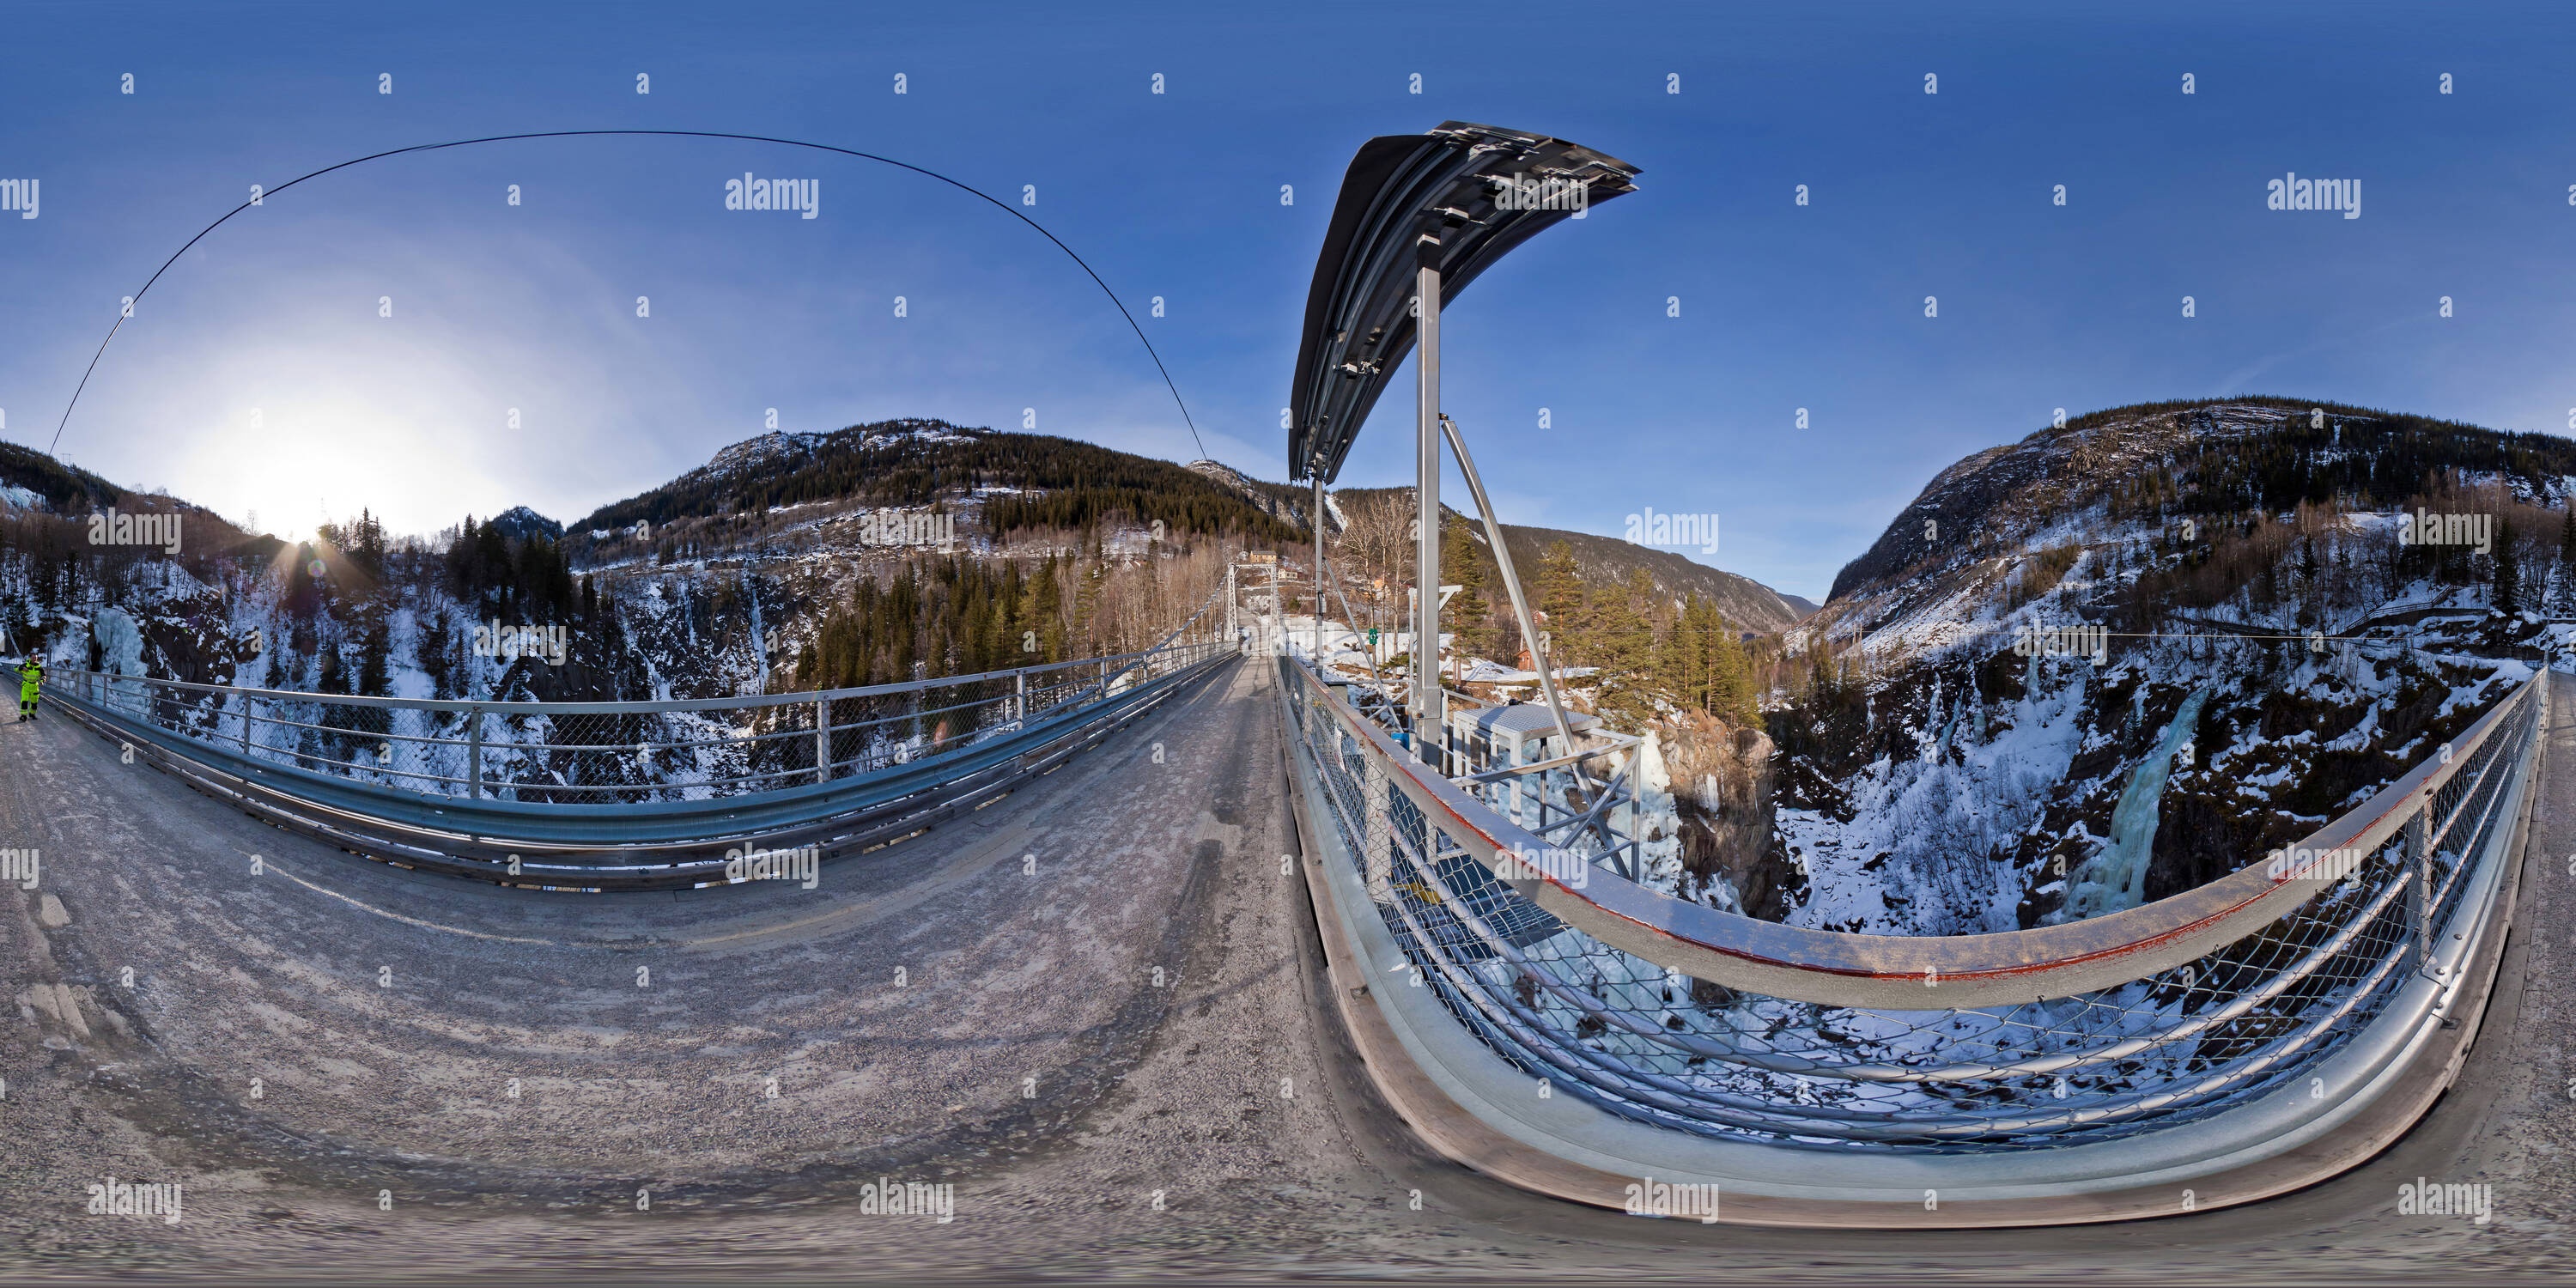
[[2272, 638], [1022, 483]]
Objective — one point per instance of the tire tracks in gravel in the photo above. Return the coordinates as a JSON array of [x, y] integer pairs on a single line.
[[198, 1124]]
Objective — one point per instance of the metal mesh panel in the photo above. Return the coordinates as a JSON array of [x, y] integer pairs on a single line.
[[580, 754], [1655, 1045]]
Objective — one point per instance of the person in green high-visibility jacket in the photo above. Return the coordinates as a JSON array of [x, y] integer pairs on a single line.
[[31, 674]]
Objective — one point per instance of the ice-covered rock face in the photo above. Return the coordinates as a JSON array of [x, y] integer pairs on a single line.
[[2117, 876], [120, 643], [2243, 557], [1658, 824]]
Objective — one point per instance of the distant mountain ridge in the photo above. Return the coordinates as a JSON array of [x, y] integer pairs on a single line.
[[1608, 561], [1018, 479], [62, 488], [519, 523], [1746, 602], [1287, 502], [2283, 450], [2239, 570]]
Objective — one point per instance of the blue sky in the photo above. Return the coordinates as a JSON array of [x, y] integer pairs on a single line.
[[1177, 195]]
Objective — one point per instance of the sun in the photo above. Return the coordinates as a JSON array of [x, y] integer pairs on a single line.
[[287, 469]]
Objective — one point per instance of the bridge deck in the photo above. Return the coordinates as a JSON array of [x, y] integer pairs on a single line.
[[1179, 1089]]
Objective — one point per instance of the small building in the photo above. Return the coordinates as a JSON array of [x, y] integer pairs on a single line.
[[1511, 734], [1519, 733]]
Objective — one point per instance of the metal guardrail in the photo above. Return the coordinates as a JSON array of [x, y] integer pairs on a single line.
[[603, 795], [2255, 992], [617, 752]]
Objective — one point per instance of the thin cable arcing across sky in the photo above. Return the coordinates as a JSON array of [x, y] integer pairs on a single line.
[[1005, 206]]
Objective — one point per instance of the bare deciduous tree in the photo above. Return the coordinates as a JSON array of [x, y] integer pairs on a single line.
[[1376, 546]]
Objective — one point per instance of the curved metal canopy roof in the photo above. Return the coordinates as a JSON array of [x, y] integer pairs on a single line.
[[1453, 199]]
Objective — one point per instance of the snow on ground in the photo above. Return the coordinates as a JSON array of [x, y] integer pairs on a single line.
[[1915, 858]]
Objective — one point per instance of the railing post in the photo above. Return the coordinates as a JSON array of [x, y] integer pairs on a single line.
[[2419, 893], [474, 753], [246, 701], [822, 740], [1020, 696]]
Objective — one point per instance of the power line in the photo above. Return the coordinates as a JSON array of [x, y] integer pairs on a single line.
[[1005, 206]]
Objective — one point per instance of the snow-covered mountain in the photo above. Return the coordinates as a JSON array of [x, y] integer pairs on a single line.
[[2223, 643], [727, 580], [1748, 603], [1609, 561], [519, 523], [1286, 502]]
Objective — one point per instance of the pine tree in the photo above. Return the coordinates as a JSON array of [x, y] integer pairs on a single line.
[[2566, 601], [373, 648], [367, 543], [1683, 661], [1040, 617], [1462, 563], [1628, 629], [1733, 696], [430, 651], [2508, 570], [1560, 596], [334, 677]]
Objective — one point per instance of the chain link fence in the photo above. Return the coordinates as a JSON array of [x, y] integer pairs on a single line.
[[599, 753]]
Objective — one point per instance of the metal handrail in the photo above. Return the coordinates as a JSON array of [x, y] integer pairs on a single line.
[[468, 705], [1843, 969], [596, 751], [2219, 1013], [520, 796]]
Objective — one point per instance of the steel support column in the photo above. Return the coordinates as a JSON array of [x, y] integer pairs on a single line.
[[1425, 696], [1319, 567], [1512, 584]]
